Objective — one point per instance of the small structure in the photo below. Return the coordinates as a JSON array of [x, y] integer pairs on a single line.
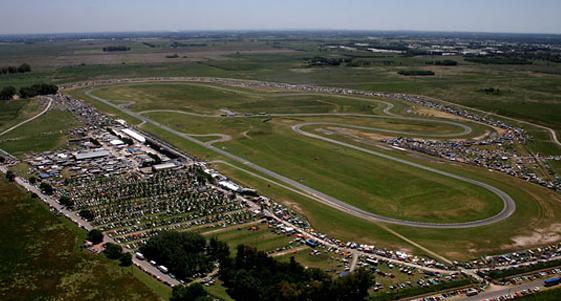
[[136, 136], [163, 166], [116, 142], [229, 185], [98, 153]]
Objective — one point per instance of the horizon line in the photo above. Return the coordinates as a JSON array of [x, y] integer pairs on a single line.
[[242, 30]]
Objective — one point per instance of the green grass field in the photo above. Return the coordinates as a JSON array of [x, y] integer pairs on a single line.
[[260, 237], [48, 132], [548, 295], [42, 259]]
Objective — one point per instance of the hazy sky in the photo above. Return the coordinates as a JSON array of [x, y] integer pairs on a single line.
[[40, 16]]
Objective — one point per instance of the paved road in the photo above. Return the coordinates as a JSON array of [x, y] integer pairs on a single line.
[[507, 290], [508, 209]]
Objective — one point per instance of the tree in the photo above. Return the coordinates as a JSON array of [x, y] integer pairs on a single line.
[[113, 251], [255, 276], [10, 176], [46, 188], [7, 93], [125, 260], [66, 201], [193, 292], [86, 214], [218, 249], [37, 89], [32, 180], [95, 236], [183, 253], [24, 68]]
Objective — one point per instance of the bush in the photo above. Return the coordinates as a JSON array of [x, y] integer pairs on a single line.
[[46, 188], [66, 201], [86, 214], [113, 251], [125, 260], [195, 291], [10, 176], [7, 93], [95, 236]]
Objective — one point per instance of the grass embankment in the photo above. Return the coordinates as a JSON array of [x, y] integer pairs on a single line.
[[41, 257]]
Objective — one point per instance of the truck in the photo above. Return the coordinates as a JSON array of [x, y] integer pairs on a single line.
[[552, 281]]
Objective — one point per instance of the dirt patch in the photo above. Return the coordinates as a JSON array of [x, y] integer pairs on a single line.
[[302, 70], [548, 235], [482, 136], [353, 133], [435, 113], [424, 111]]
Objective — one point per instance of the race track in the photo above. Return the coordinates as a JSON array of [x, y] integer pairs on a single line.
[[509, 205]]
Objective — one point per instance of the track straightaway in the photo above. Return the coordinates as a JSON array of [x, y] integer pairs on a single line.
[[508, 208]]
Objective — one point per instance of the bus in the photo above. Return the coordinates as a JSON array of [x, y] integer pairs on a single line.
[[552, 281]]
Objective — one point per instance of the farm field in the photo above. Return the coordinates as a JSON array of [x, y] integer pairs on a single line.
[[271, 143], [529, 90], [43, 259]]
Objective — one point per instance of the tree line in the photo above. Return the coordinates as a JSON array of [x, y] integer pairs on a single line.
[[23, 68], [497, 60], [250, 275], [254, 276], [416, 72], [442, 63], [116, 48], [8, 93]]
